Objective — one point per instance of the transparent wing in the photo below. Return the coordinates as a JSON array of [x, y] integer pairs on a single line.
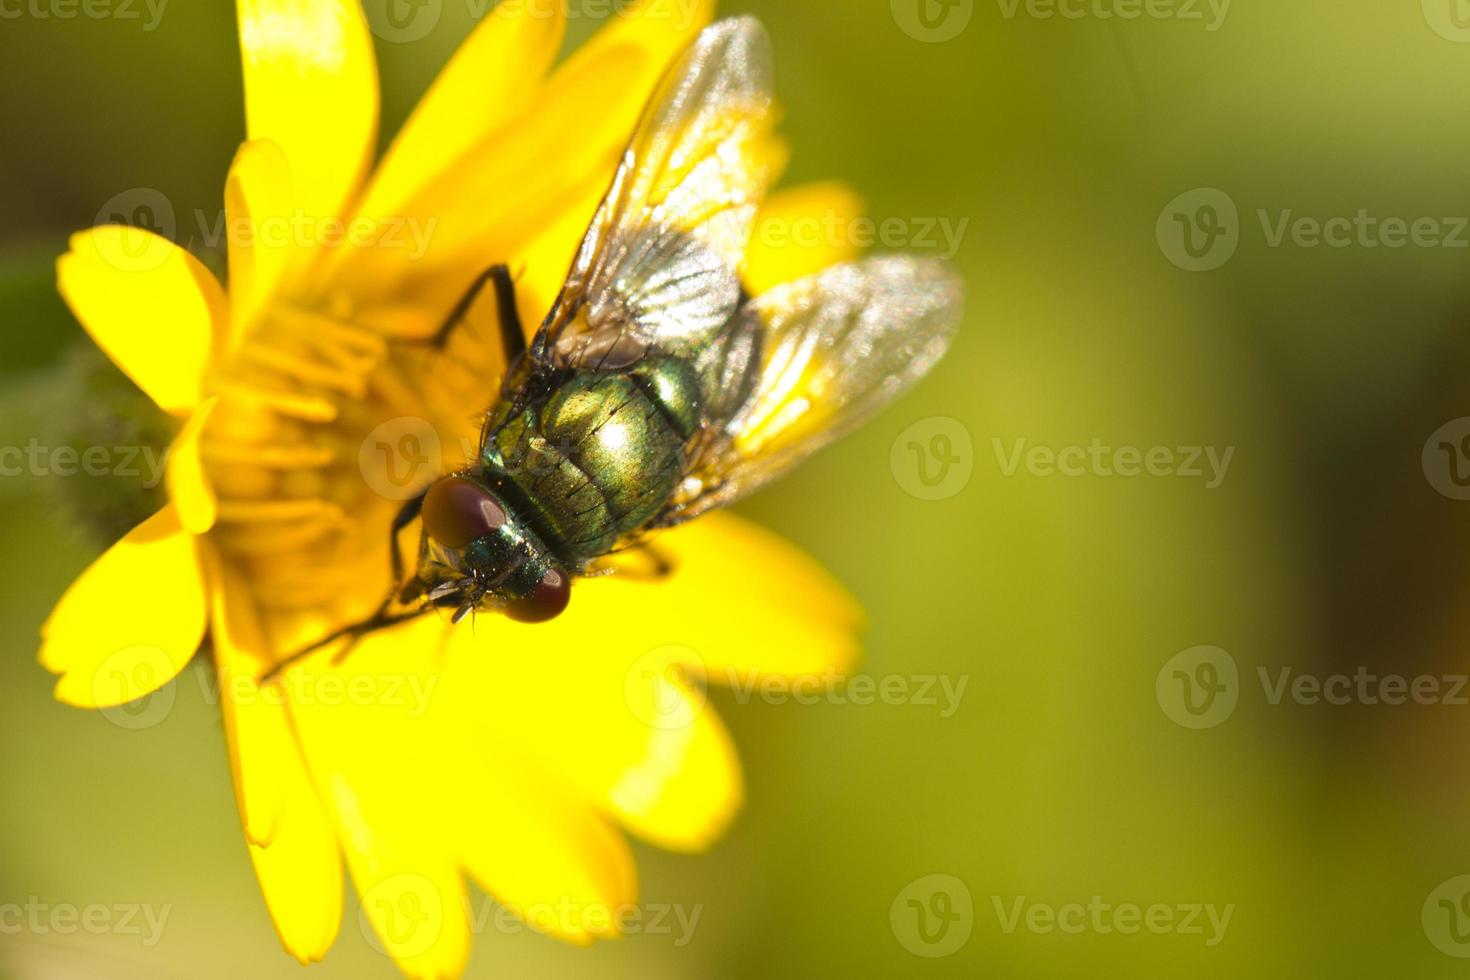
[[817, 358], [659, 265]]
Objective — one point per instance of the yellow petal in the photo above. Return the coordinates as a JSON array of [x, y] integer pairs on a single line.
[[292, 847], [687, 788], [311, 87], [385, 763], [256, 725], [794, 620], [558, 158], [622, 717], [801, 231], [416, 909], [417, 792], [150, 305], [620, 720], [546, 856], [188, 485], [258, 202], [300, 873], [491, 81], [132, 620]]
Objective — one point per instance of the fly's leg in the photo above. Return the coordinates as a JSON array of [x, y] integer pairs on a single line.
[[355, 631], [512, 337], [406, 515], [660, 564], [380, 618], [652, 564]]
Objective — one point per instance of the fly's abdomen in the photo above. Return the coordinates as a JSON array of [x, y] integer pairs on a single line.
[[601, 454]]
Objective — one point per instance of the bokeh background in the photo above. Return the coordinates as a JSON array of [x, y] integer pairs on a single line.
[[1071, 767]]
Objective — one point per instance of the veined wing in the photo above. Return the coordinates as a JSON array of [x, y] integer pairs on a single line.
[[659, 266], [815, 359]]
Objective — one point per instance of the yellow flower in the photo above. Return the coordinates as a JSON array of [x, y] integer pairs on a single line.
[[513, 756]]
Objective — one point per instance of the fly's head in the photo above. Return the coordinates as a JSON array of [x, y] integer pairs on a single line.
[[477, 553]]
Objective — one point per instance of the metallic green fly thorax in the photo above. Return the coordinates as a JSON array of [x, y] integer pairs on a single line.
[[595, 456]]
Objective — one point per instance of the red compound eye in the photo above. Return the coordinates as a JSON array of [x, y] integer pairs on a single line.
[[457, 512], [546, 601]]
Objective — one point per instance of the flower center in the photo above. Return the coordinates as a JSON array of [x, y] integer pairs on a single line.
[[325, 426]]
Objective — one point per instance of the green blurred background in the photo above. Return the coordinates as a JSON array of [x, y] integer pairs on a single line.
[[1057, 600]]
